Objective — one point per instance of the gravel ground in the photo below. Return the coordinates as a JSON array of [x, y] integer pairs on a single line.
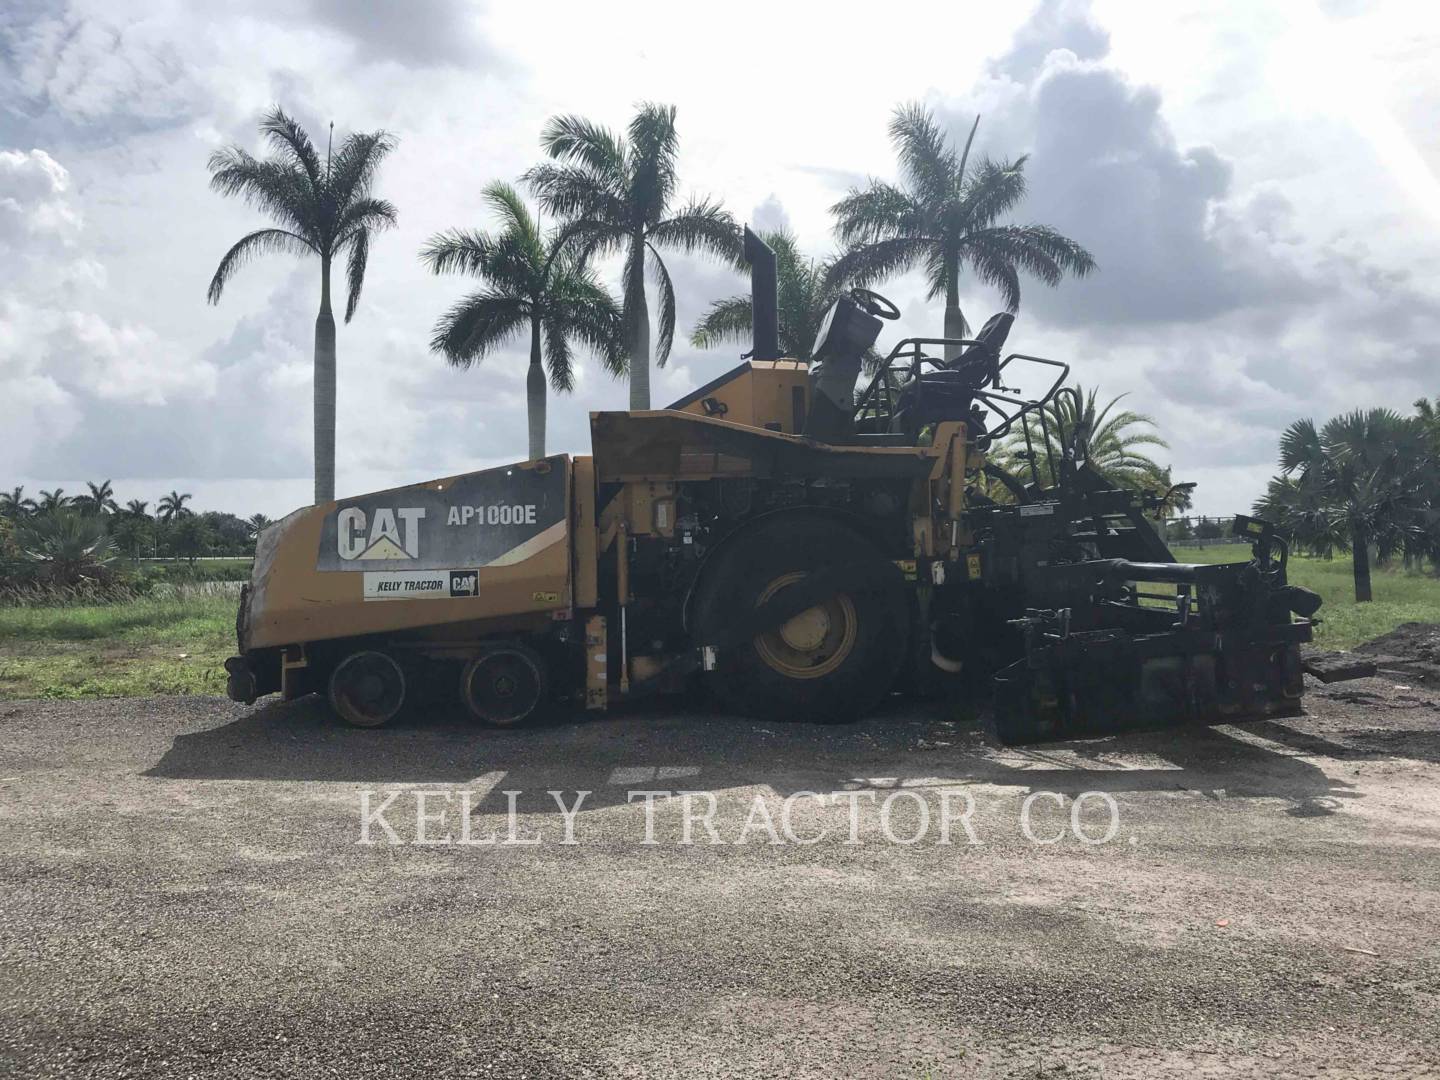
[[182, 894]]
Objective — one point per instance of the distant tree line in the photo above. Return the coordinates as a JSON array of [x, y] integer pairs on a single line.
[[1186, 528], [62, 538]]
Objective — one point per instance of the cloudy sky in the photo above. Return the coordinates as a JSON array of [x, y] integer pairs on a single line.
[[1257, 181]]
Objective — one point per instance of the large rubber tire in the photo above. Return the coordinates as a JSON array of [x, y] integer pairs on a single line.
[[368, 688], [830, 664], [506, 686]]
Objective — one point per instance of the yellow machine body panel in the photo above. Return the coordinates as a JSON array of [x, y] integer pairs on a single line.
[[491, 546], [769, 394], [649, 453], [660, 446]]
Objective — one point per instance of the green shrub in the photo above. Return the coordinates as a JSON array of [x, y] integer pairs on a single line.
[[67, 548]]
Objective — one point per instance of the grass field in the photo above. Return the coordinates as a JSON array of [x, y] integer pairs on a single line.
[[176, 643], [178, 570], [169, 644], [1400, 597]]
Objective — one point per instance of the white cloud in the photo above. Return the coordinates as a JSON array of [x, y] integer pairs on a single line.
[[123, 363], [34, 202], [64, 365], [89, 62], [417, 33]]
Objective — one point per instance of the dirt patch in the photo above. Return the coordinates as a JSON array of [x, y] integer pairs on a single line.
[[1412, 648], [1415, 640]]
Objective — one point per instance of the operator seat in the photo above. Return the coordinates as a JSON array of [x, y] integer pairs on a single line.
[[948, 393]]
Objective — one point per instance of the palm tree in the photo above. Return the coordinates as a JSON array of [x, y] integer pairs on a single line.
[[1109, 440], [805, 293], [15, 504], [99, 500], [1363, 480], [255, 524], [614, 195], [173, 506], [188, 539], [533, 283], [322, 209], [52, 501], [137, 508], [1174, 498], [944, 220], [131, 532], [1428, 413]]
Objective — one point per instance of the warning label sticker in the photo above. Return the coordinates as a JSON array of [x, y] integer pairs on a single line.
[[421, 584]]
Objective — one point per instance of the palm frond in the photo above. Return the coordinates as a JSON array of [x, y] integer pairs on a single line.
[[727, 320], [269, 186], [703, 226], [927, 162], [579, 141], [568, 191], [583, 309], [1000, 273], [783, 244], [458, 251], [803, 295], [878, 212], [286, 135], [375, 215], [477, 325], [259, 242], [507, 203], [993, 189], [517, 263], [653, 146], [353, 169], [1105, 439], [939, 267], [557, 358], [1300, 447], [665, 317], [588, 237], [1036, 249], [881, 259], [357, 256]]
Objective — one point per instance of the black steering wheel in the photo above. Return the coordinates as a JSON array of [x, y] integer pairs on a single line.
[[875, 304]]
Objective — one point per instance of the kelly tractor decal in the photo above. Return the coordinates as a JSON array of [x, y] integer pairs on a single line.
[[430, 540], [421, 584]]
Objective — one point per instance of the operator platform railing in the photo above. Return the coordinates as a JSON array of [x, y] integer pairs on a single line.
[[979, 371]]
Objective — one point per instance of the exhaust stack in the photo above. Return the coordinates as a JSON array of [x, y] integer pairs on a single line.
[[764, 299]]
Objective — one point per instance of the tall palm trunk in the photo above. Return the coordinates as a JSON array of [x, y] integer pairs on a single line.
[[954, 320], [324, 391], [1360, 549], [638, 330], [535, 393]]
